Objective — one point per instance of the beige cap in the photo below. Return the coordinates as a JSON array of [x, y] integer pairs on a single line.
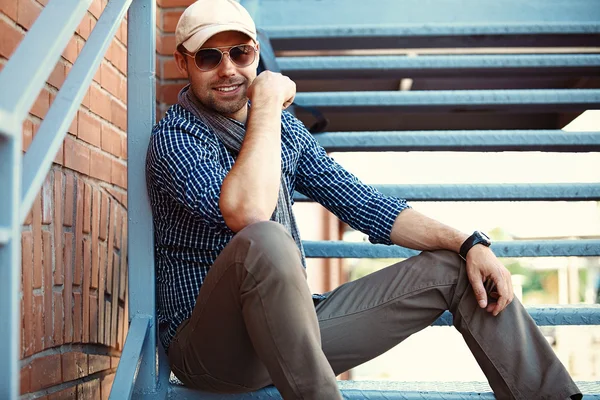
[[205, 18]]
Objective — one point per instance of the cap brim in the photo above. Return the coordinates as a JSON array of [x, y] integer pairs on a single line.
[[199, 38]]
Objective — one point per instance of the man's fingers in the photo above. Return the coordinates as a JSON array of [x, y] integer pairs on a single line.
[[502, 287], [479, 291]]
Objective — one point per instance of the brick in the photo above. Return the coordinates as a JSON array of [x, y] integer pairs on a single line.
[[167, 93], [118, 114], [87, 264], [115, 301], [98, 76], [74, 365], [123, 30], [38, 323], [60, 155], [110, 78], [101, 287], [96, 8], [66, 394], [45, 372], [110, 269], [58, 318], [120, 321], [100, 103], [25, 380], [77, 273], [46, 195], [170, 19], [87, 208], [41, 105], [93, 318], [124, 197], [123, 278], [48, 320], [69, 195], [117, 55], [107, 311], [58, 75], [27, 276], [166, 45], [96, 203], [85, 26], [77, 156], [89, 390], [71, 52], [10, 39], [170, 70], [37, 242], [124, 147], [88, 129], [73, 127], [86, 102], [118, 174], [58, 219], [9, 7], [114, 362], [27, 134], [103, 232], [27, 12], [68, 286], [100, 166], [77, 317], [111, 140], [105, 385], [118, 221], [98, 363]]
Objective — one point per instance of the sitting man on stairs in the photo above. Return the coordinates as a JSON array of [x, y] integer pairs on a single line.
[[234, 307]]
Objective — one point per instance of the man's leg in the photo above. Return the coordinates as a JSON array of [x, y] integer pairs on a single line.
[[254, 323], [362, 319]]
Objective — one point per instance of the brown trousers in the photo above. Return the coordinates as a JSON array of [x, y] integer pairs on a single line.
[[255, 324]]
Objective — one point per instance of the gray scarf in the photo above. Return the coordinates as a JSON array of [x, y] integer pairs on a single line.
[[231, 133]]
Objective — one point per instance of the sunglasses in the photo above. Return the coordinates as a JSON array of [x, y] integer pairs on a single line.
[[240, 55]]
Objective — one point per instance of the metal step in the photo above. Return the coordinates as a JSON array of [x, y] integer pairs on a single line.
[[456, 100], [489, 192], [498, 140], [517, 248], [378, 390], [460, 66]]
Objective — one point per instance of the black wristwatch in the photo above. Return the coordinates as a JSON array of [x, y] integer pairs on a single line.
[[476, 238]]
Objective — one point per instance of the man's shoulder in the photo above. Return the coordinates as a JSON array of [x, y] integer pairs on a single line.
[[178, 118]]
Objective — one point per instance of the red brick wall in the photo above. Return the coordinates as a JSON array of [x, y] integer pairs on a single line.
[[168, 78], [74, 241]]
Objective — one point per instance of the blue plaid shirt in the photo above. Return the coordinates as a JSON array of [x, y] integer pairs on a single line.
[[185, 167]]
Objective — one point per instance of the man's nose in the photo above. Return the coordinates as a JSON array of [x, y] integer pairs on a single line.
[[227, 67]]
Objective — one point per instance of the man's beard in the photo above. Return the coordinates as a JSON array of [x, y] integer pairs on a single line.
[[224, 107]]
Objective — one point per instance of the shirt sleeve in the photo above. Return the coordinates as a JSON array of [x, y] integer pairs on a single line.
[[359, 205], [185, 167]]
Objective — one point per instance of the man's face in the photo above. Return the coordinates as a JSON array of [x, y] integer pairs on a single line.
[[224, 88]]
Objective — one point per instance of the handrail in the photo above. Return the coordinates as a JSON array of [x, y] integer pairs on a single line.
[[21, 79], [53, 129], [491, 192], [517, 248]]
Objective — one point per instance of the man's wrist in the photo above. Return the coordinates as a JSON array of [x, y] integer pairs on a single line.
[[476, 238]]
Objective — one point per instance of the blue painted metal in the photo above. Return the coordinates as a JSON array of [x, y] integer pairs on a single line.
[[348, 67], [588, 314], [521, 248], [141, 101], [5, 234], [494, 192], [131, 357], [21, 79], [499, 140], [10, 271], [565, 99], [42, 151]]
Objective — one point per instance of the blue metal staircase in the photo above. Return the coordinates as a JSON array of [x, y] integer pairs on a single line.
[[508, 101]]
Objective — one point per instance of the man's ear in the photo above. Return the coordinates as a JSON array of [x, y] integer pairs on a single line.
[[181, 61]]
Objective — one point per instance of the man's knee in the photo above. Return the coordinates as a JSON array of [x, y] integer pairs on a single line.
[[445, 261]]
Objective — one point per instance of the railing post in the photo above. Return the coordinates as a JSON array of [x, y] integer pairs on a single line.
[[10, 263], [141, 106]]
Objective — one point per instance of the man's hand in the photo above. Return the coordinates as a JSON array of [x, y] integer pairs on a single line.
[[485, 271], [272, 86]]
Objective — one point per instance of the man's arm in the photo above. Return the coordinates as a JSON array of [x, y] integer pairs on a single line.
[[417, 231], [250, 189]]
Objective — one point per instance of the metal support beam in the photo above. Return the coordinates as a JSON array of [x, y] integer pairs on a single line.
[[489, 192], [498, 140], [42, 151], [519, 248], [539, 99], [131, 357]]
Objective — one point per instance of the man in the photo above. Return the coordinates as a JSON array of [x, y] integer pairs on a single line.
[[235, 310]]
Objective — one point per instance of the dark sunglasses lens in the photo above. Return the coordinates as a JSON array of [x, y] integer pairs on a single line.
[[208, 59], [242, 55]]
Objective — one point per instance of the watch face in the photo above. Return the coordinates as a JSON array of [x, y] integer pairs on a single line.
[[485, 237]]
